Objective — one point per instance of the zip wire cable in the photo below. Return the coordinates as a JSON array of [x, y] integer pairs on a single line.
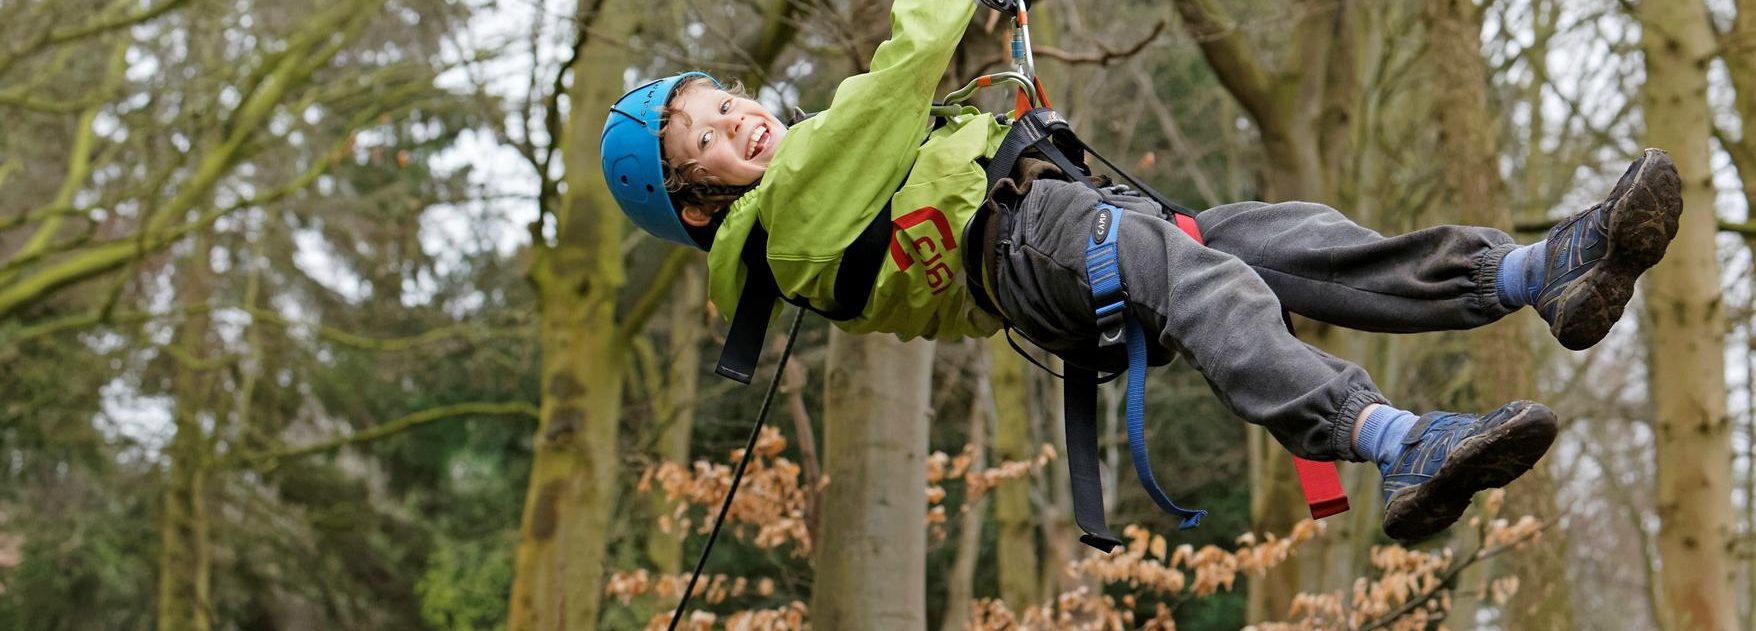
[[738, 476]]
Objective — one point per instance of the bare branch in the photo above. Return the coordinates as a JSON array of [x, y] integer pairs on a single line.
[[657, 289], [1449, 578], [1103, 56], [1742, 153], [110, 255], [7, 168], [1232, 60], [794, 387], [1745, 229], [271, 459], [21, 99], [1179, 143], [78, 169], [96, 26], [96, 317], [779, 26]]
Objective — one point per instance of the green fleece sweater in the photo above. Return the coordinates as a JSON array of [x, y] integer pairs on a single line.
[[833, 172]]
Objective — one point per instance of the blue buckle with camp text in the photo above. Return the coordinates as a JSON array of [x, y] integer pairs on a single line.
[[1104, 274]]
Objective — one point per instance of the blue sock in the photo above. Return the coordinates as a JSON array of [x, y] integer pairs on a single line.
[[1382, 432], [1521, 275]]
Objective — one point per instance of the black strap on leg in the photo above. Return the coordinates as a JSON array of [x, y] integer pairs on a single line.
[[1080, 403]]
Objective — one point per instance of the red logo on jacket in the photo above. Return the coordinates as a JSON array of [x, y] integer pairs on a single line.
[[930, 252]]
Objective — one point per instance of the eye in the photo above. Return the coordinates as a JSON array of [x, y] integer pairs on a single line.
[[726, 106], [705, 137]]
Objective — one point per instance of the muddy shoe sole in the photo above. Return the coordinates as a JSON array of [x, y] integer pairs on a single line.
[[1489, 460], [1642, 224]]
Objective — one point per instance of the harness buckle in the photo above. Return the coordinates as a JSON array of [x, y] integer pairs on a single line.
[[1111, 319]]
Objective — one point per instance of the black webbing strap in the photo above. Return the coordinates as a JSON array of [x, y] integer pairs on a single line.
[[1034, 128], [1048, 132], [1080, 402], [737, 361], [860, 264]]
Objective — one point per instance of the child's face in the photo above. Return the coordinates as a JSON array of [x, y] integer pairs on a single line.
[[731, 137]]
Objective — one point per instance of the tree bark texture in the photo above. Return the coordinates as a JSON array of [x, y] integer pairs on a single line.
[[1683, 303], [960, 585], [675, 408], [1302, 112], [572, 493], [1499, 357], [871, 561], [1016, 540], [1738, 49], [185, 600]]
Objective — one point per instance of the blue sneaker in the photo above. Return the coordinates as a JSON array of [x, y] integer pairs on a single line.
[[1595, 256], [1448, 457]]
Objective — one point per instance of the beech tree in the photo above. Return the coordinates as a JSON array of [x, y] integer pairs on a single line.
[[1691, 426]]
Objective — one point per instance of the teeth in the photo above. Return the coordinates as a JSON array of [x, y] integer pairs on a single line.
[[756, 141]]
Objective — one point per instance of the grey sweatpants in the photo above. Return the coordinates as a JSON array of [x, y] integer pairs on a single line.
[[1220, 306]]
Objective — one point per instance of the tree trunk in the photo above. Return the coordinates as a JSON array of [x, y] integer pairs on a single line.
[[1302, 112], [1498, 354], [871, 564], [1688, 384], [960, 586], [572, 493], [1061, 534], [185, 557], [1016, 542], [674, 408]]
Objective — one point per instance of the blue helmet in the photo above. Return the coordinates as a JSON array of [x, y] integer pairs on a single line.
[[632, 163]]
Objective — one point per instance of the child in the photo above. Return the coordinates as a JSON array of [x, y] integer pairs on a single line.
[[729, 169]]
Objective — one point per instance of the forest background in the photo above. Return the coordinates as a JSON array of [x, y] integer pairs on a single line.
[[317, 314]]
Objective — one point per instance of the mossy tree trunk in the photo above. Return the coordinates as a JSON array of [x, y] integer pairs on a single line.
[[1016, 537], [674, 404], [185, 584], [1499, 354], [572, 493]]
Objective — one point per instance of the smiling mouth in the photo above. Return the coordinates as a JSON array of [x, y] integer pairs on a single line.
[[758, 142]]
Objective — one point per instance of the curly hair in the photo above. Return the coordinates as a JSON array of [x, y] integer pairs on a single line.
[[687, 181]]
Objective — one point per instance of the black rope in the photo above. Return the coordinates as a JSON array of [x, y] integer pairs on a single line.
[[738, 476]]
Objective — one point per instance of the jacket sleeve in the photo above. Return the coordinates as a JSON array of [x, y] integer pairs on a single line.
[[855, 154]]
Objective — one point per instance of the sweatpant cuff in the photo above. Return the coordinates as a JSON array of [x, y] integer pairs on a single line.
[[1341, 441], [1486, 276]]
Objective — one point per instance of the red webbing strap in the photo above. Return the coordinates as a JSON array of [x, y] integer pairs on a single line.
[[1322, 485], [1320, 480], [1188, 226]]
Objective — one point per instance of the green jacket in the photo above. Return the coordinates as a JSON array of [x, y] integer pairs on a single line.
[[833, 172]]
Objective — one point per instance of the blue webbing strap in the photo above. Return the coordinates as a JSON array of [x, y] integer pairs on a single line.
[[1111, 297], [1137, 428]]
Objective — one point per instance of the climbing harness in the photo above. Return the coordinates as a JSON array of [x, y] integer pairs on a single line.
[[1040, 130], [1043, 132], [786, 352], [1115, 326]]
